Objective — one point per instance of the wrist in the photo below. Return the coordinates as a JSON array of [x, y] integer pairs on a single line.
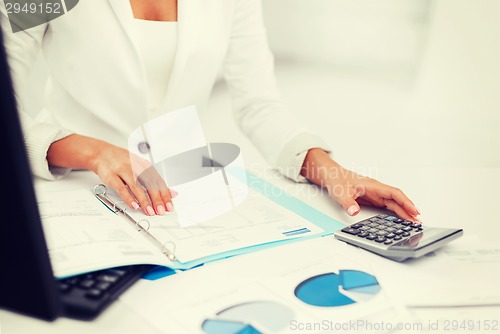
[[76, 151], [320, 168]]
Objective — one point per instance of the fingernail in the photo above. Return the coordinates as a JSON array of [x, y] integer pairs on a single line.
[[173, 193], [135, 205], [150, 211], [170, 207], [352, 210], [418, 221], [160, 209]]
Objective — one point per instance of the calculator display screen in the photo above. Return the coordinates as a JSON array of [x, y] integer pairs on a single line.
[[426, 237]]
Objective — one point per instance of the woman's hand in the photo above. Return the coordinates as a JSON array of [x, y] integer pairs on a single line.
[[134, 179], [351, 190]]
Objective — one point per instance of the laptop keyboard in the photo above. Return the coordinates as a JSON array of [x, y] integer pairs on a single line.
[[85, 296]]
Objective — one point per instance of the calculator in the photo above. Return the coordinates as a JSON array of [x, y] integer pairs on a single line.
[[395, 238]]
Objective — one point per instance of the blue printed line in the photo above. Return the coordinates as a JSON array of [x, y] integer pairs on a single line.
[[295, 232]]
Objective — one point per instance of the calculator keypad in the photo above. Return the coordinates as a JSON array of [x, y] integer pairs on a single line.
[[384, 229]]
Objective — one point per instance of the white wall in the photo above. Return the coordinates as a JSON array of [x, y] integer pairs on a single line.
[[456, 106], [367, 34], [447, 113], [336, 61]]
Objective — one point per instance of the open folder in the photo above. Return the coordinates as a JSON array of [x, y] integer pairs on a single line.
[[90, 229], [221, 210]]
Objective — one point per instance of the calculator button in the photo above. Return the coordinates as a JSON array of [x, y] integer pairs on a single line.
[[356, 226], [419, 229], [405, 223], [398, 232], [371, 236], [390, 235], [399, 220], [405, 234], [373, 225], [415, 225], [407, 228], [389, 224], [382, 233], [380, 239], [363, 234], [381, 227], [390, 218], [351, 230], [365, 228], [388, 242], [391, 229], [397, 237]]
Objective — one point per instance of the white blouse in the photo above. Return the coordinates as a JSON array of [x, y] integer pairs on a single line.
[[157, 41]]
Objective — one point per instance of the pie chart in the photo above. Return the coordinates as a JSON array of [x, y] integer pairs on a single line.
[[258, 317], [334, 290]]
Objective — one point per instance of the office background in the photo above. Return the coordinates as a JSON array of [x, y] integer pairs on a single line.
[[403, 90], [408, 84]]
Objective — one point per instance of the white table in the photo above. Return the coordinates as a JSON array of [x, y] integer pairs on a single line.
[[454, 181], [443, 208]]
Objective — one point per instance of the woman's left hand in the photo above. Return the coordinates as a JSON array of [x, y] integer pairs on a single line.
[[351, 190]]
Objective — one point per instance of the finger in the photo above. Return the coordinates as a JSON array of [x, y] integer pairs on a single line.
[[157, 201], [399, 197], [166, 195], [400, 211], [141, 196], [349, 204], [150, 180], [123, 191], [161, 197], [365, 202], [374, 199]]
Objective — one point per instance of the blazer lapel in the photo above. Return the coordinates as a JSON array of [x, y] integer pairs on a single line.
[[186, 36], [125, 16]]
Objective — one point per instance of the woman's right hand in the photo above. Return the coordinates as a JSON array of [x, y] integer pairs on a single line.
[[134, 179]]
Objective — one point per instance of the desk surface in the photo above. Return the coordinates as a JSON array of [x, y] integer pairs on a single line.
[[442, 207], [446, 194]]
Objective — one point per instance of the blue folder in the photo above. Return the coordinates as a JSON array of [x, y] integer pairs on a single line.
[[326, 223]]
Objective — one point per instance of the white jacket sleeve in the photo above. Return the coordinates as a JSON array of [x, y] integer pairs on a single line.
[[22, 49], [258, 109]]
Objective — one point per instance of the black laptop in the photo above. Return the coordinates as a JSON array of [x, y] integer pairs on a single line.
[[27, 284]]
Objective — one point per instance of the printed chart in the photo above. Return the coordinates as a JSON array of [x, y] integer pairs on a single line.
[[334, 290], [250, 318]]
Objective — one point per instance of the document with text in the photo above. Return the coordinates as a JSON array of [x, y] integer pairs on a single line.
[[83, 234]]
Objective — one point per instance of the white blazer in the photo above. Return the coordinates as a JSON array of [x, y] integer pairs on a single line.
[[97, 83]]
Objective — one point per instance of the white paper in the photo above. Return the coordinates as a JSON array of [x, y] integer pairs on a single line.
[[83, 235], [257, 220], [191, 297], [464, 272]]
